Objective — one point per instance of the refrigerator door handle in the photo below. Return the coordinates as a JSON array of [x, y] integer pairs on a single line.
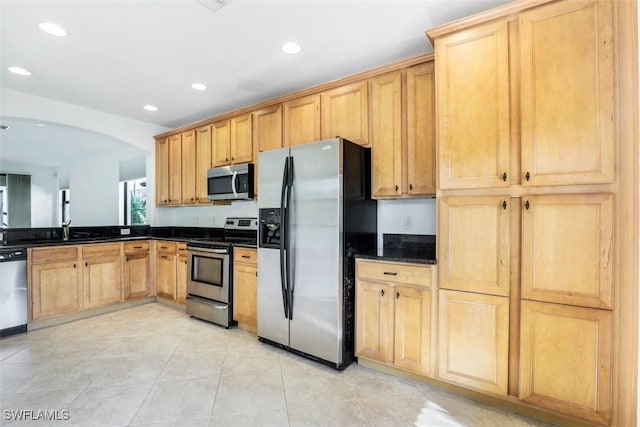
[[288, 266], [283, 234]]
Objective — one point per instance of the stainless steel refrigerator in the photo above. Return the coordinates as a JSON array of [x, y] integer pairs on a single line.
[[315, 213]]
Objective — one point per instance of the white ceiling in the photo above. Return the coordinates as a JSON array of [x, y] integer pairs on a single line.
[[122, 54]]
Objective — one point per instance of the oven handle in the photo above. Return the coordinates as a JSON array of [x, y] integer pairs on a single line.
[[233, 184], [209, 251]]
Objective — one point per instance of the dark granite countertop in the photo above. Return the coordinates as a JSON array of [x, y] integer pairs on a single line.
[[245, 245], [416, 248]]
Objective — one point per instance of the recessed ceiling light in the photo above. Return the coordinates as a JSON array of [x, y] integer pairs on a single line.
[[291, 48], [41, 125], [198, 86], [19, 70], [53, 29], [5, 127], [151, 108]]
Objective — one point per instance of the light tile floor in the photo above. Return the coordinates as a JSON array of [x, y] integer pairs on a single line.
[[153, 365]]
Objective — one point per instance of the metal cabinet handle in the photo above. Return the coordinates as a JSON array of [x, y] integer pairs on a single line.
[[396, 188], [527, 176], [381, 292], [397, 295], [390, 273], [410, 187], [526, 205], [137, 247], [74, 266], [246, 256], [504, 177], [504, 204]]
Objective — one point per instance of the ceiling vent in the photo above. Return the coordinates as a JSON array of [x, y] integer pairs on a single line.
[[214, 5]]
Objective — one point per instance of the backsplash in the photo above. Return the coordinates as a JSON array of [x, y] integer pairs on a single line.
[[419, 246], [406, 216]]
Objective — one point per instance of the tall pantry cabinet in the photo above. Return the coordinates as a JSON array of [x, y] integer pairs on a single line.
[[528, 192]]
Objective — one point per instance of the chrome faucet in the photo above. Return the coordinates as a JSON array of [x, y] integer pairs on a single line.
[[65, 230]]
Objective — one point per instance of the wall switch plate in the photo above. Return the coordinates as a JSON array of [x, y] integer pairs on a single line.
[[125, 231], [407, 222]]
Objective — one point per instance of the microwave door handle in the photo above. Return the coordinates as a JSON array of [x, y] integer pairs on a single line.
[[234, 183]]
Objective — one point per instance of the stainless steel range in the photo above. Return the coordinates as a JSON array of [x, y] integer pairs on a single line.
[[210, 276]]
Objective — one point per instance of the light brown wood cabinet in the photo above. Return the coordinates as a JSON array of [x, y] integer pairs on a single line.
[[403, 132], [162, 171], [166, 269], [301, 121], [188, 166], [54, 281], [474, 244], [175, 169], [137, 261], [394, 314], [232, 141], [267, 128], [473, 340], [101, 277], [245, 288], [345, 113], [566, 359], [204, 150], [181, 273]]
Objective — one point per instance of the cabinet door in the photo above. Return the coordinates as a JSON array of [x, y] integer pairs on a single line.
[[345, 113], [565, 356], [136, 275], [101, 281], [54, 288], [245, 294], [567, 249], [473, 107], [473, 343], [189, 167], [181, 280], [413, 329], [374, 321], [204, 149], [301, 120], [162, 172], [166, 276], [221, 141], [386, 135], [567, 84], [474, 244], [241, 142], [267, 128], [421, 131], [175, 169]]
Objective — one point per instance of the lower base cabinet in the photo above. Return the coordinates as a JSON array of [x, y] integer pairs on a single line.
[[181, 279], [137, 264], [54, 288], [245, 288], [101, 277], [565, 354], [393, 314], [473, 340]]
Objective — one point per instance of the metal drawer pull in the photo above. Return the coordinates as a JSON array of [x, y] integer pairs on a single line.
[[397, 295], [246, 256], [381, 292], [390, 273], [137, 247]]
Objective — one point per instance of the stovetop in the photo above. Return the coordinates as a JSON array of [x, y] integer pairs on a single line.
[[236, 230]]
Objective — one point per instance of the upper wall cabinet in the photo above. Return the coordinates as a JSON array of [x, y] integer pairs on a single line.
[[162, 171], [267, 128], [175, 169], [345, 113], [189, 167], [403, 133], [558, 92], [301, 121], [473, 107], [232, 141], [567, 93], [204, 150]]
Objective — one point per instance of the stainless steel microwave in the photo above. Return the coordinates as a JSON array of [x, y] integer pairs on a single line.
[[234, 182]]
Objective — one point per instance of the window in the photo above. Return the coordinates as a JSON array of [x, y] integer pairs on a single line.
[[133, 202], [64, 204]]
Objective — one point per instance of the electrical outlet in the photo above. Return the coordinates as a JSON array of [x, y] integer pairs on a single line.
[[407, 222], [125, 231]]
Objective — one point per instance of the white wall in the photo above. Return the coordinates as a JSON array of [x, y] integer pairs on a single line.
[[44, 191], [392, 214], [94, 187], [202, 216]]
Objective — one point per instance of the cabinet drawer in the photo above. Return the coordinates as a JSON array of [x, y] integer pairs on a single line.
[[181, 248], [248, 256], [136, 247], [54, 254], [94, 250], [394, 272], [166, 247]]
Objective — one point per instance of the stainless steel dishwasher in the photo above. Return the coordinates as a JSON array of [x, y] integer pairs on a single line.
[[13, 291]]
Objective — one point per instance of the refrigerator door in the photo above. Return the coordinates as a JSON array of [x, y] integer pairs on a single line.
[[272, 322], [316, 257]]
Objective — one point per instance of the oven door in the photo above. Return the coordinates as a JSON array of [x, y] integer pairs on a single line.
[[208, 274], [233, 182]]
